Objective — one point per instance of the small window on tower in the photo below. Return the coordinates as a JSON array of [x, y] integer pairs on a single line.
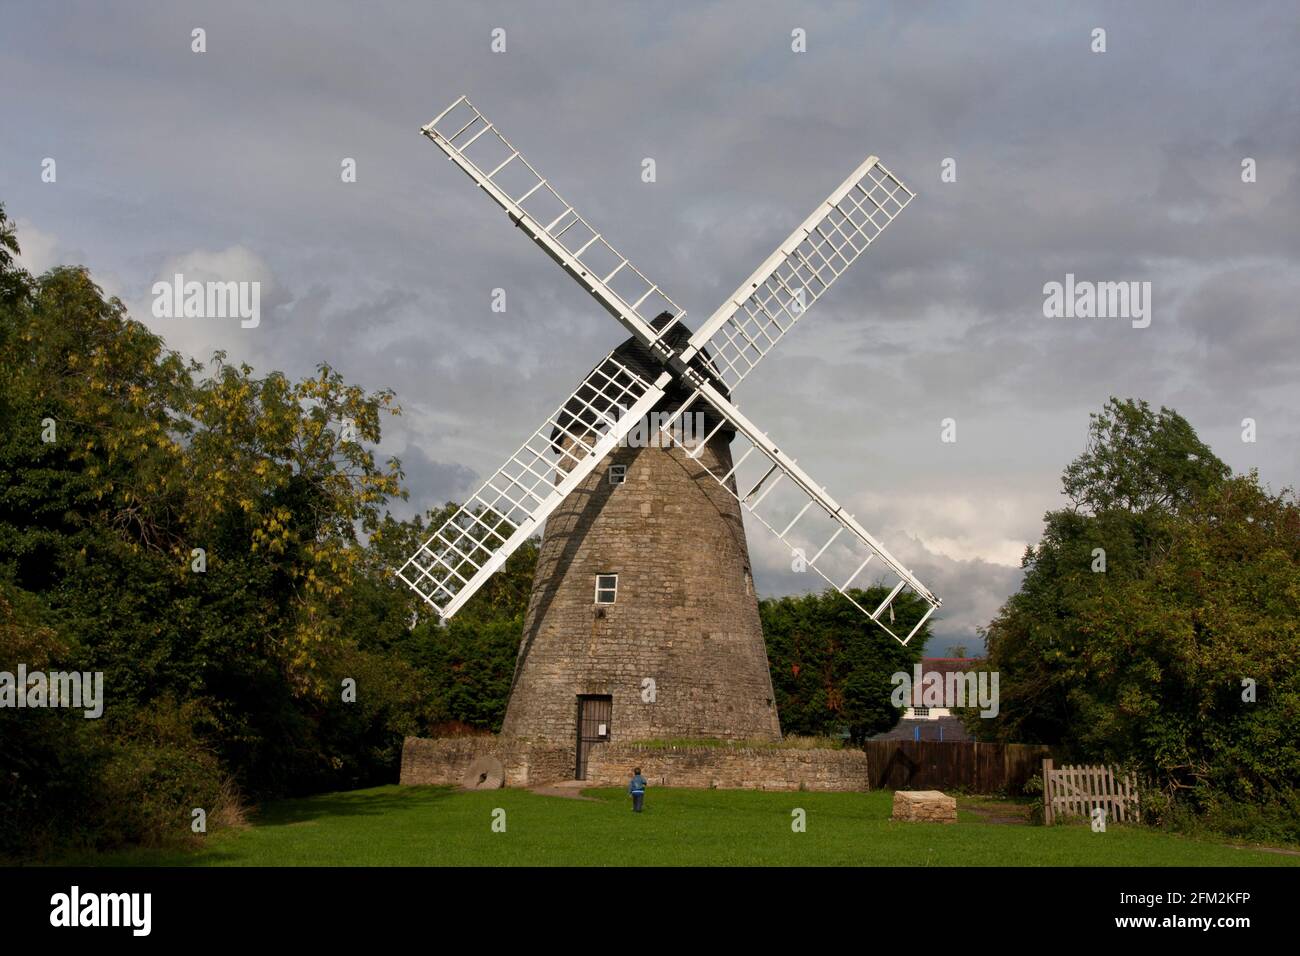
[[617, 474], [606, 588]]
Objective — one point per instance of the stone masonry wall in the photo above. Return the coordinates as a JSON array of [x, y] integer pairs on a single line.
[[730, 768], [532, 763], [445, 760], [686, 615]]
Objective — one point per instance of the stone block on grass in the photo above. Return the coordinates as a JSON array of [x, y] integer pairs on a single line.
[[924, 806]]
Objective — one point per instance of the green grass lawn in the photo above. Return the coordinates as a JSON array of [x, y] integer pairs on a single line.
[[420, 826]]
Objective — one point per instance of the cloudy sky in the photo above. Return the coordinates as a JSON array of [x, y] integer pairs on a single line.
[[1117, 166]]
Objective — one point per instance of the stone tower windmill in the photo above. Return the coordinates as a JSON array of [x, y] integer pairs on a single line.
[[643, 608], [643, 621]]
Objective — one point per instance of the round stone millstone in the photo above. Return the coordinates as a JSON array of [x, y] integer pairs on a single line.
[[485, 773]]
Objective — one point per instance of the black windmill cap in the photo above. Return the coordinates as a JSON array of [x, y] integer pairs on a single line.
[[637, 357]]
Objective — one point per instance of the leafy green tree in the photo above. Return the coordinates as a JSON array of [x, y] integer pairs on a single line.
[[1147, 659], [15, 283], [201, 536], [469, 663], [1139, 461], [831, 667]]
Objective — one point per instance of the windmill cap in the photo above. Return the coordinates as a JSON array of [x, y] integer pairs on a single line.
[[639, 359]]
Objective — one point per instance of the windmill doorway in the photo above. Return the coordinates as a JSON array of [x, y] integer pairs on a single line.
[[594, 714]]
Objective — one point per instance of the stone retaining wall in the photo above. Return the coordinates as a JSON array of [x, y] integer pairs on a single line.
[[730, 768], [444, 760], [529, 764]]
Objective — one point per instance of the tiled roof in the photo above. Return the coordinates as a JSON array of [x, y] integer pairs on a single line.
[[952, 728], [950, 665]]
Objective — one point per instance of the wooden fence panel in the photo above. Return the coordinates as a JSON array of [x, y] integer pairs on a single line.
[[1077, 790], [940, 765]]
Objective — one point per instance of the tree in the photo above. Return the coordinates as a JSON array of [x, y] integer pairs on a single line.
[[1149, 610], [470, 662], [15, 283], [200, 536], [831, 667], [1141, 461]]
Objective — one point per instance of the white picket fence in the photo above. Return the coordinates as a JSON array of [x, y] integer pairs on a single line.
[[1075, 791]]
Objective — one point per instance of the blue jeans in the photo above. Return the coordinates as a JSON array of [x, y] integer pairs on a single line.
[[638, 797]]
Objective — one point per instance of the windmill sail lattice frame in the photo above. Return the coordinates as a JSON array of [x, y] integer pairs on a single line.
[[781, 290], [473, 144], [815, 529], [510, 506], [513, 503]]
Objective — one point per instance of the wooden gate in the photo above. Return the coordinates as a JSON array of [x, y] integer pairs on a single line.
[[594, 714], [1075, 791]]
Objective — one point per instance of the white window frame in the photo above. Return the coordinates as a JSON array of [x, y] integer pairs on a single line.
[[621, 471], [600, 589]]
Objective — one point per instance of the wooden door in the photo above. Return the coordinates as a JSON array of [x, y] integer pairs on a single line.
[[594, 713]]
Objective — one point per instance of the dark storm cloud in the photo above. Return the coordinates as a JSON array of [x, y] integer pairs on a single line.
[[1117, 166]]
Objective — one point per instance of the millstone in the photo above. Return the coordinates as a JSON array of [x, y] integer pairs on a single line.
[[485, 773]]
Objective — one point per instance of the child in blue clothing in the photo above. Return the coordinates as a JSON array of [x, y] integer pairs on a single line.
[[636, 787]]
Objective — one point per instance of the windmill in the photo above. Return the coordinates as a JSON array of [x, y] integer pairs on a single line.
[[597, 493]]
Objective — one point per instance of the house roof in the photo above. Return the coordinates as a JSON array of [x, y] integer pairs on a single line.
[[950, 665], [951, 728]]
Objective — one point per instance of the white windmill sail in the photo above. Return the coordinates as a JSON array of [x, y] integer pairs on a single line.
[[815, 529], [477, 147], [780, 291], [512, 504]]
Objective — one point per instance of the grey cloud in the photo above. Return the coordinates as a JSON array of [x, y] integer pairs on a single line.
[[1124, 165], [432, 483]]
